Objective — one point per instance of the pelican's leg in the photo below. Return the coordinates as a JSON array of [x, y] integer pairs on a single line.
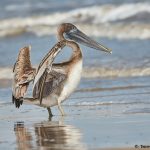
[[60, 108], [13, 99], [49, 112]]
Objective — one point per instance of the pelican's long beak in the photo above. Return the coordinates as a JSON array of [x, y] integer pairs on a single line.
[[81, 38]]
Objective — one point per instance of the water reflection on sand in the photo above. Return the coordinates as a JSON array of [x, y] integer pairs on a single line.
[[52, 135]]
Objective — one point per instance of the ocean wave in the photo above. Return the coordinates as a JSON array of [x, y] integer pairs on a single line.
[[26, 6], [105, 21], [17, 7], [102, 103], [110, 13], [137, 110], [108, 72], [94, 72]]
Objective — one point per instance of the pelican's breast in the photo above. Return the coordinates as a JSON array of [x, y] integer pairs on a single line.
[[74, 76]]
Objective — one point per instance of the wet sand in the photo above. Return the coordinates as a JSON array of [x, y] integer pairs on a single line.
[[84, 128], [101, 114]]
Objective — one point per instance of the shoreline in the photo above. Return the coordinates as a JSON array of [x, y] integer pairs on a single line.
[[86, 127], [103, 114]]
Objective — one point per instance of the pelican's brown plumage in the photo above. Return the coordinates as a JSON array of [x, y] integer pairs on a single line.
[[58, 81], [54, 83], [23, 75]]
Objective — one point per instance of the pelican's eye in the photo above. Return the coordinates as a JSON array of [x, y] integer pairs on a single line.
[[73, 30]]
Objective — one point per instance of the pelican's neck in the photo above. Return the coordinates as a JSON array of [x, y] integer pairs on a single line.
[[77, 53], [60, 32]]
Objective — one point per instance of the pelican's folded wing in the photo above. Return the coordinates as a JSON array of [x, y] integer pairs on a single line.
[[46, 62], [49, 83], [46, 65]]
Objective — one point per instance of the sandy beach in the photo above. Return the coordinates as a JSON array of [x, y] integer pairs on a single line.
[[76, 131], [107, 124], [83, 128]]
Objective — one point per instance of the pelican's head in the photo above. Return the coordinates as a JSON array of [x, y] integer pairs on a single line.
[[71, 32]]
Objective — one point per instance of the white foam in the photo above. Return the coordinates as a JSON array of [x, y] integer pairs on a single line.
[[125, 11], [105, 72], [17, 7], [25, 6], [94, 72], [6, 73]]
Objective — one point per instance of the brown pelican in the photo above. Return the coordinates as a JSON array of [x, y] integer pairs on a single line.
[[53, 83]]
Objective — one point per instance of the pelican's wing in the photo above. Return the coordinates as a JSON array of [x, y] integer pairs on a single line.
[[49, 83], [23, 63], [23, 73], [27, 77], [46, 65], [46, 62], [41, 85]]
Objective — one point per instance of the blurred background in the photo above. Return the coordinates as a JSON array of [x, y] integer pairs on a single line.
[[111, 106], [122, 25]]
